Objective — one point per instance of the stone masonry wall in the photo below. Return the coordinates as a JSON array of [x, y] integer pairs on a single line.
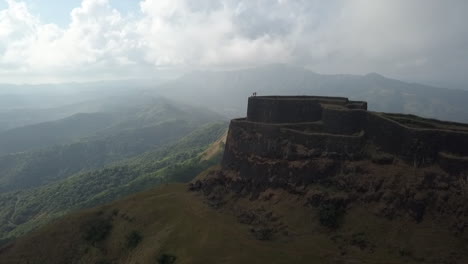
[[419, 145], [343, 121], [299, 128], [268, 110]]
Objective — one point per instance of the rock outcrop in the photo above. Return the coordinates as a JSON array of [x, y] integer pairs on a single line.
[[332, 154]]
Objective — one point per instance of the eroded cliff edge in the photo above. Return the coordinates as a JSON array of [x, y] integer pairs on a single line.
[[339, 161]]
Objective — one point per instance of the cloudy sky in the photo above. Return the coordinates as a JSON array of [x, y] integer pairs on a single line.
[[73, 40]]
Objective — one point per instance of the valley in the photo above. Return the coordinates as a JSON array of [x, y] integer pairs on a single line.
[[331, 182], [320, 186]]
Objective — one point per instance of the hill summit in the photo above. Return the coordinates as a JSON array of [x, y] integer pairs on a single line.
[[332, 155], [303, 179], [306, 127]]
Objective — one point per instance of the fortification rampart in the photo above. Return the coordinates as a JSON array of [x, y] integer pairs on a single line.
[[276, 141], [302, 127], [269, 110], [418, 144], [343, 121], [294, 109]]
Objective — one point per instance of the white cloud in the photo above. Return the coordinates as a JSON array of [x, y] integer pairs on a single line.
[[179, 34], [405, 39], [420, 39], [98, 43]]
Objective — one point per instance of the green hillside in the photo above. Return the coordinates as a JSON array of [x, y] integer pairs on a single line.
[[23, 210], [31, 169], [23, 105], [52, 133], [171, 225], [110, 119], [56, 150]]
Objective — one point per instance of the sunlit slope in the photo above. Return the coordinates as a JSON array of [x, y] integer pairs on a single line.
[[25, 210], [169, 222]]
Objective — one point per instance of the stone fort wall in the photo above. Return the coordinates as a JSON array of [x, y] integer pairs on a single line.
[[303, 127], [293, 109], [418, 144], [280, 142]]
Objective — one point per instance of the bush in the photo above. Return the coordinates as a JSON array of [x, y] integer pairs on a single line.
[[5, 241], [382, 159], [262, 233], [359, 240], [133, 239], [404, 252], [97, 229], [331, 214], [115, 212], [104, 262], [167, 259]]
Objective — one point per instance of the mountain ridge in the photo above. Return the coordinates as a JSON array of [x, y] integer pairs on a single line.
[[225, 91], [302, 179], [26, 209]]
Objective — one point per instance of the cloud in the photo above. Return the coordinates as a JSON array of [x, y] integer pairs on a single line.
[[98, 42], [420, 40], [203, 34], [398, 37]]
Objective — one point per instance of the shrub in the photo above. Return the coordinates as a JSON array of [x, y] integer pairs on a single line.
[[167, 259], [404, 252], [104, 262], [115, 212], [262, 233], [97, 230], [5, 241], [382, 159], [359, 240], [133, 239], [331, 214]]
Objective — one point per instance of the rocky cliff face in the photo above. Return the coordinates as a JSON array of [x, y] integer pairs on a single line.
[[334, 175], [339, 185]]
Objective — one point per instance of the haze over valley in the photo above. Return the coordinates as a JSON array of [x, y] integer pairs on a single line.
[[264, 131]]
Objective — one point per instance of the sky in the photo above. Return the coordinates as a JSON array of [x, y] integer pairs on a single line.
[[58, 11], [61, 41]]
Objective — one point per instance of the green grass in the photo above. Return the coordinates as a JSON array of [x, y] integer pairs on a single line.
[[174, 222], [23, 211]]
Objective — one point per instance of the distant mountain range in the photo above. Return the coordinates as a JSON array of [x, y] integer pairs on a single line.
[[69, 147], [22, 105], [120, 144], [39, 154], [48, 184], [226, 91]]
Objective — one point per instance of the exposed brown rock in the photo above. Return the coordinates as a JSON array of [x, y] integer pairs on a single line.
[[332, 151]]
